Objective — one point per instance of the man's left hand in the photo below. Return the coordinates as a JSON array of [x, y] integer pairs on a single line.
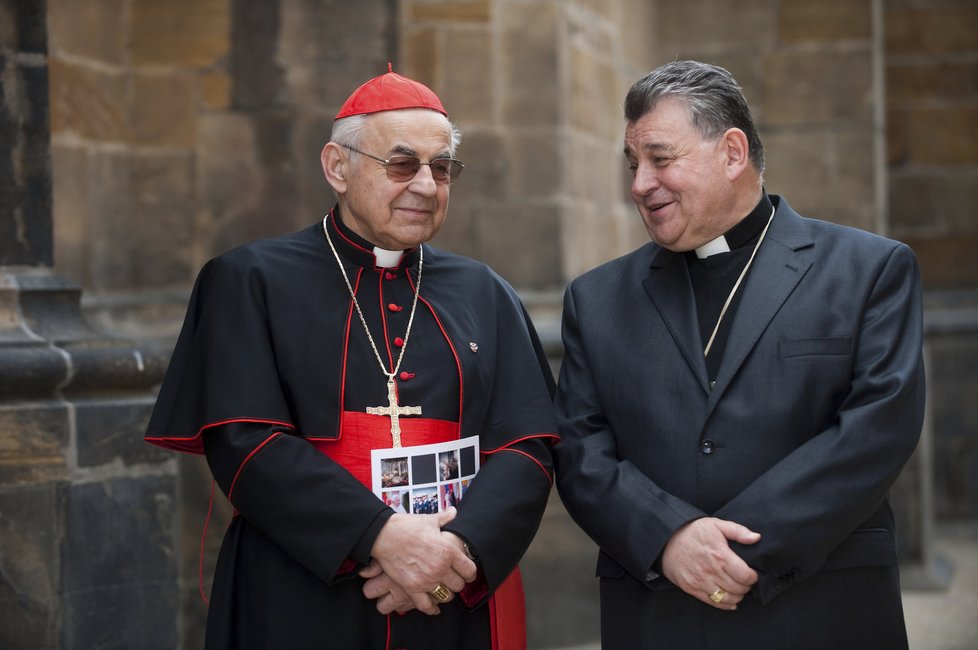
[[389, 595]]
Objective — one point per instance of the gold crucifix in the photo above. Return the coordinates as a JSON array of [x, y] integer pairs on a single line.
[[394, 411]]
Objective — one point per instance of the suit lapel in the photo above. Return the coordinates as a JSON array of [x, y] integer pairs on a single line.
[[669, 287], [782, 261]]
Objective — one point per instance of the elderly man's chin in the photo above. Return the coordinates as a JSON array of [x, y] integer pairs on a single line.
[[670, 236], [412, 234]]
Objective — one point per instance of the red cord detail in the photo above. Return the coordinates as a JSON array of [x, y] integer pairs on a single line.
[[203, 540]]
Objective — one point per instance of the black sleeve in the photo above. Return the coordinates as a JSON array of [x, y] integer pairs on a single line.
[[501, 511], [308, 504]]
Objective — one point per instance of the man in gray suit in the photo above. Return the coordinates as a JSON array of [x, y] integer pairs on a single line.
[[737, 397]]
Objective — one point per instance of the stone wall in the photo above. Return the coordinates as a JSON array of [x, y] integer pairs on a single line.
[[182, 129], [807, 70], [86, 510], [932, 135], [932, 138]]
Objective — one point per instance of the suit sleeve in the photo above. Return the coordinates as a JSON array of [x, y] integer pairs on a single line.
[[809, 502], [617, 505]]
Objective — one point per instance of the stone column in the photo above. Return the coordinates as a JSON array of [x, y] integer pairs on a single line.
[[73, 499]]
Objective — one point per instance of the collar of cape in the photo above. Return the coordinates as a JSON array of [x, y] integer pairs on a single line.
[[361, 252]]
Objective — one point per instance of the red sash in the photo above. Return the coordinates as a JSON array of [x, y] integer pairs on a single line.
[[361, 433], [507, 614]]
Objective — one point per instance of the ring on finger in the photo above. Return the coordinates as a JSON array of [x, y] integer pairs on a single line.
[[441, 593], [718, 595]]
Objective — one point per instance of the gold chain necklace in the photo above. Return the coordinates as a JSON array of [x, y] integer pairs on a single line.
[[392, 410], [740, 279]]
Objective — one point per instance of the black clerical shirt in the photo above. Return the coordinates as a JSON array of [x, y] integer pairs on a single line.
[[713, 277]]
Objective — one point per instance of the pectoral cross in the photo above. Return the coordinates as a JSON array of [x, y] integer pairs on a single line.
[[394, 412]]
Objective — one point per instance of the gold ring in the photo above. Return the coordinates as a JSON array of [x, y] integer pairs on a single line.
[[718, 595], [441, 594]]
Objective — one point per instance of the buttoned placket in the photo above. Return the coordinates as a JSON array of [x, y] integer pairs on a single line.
[[395, 314]]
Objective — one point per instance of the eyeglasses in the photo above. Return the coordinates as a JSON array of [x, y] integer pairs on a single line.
[[404, 168]]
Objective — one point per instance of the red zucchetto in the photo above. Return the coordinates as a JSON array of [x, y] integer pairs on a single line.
[[390, 92]]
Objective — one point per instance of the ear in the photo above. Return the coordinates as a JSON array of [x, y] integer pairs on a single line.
[[737, 152], [335, 166]]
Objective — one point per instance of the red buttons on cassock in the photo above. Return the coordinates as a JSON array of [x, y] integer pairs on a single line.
[[398, 341], [405, 375], [394, 307], [389, 276]]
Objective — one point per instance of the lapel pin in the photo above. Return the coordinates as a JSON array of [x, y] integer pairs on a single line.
[[473, 346]]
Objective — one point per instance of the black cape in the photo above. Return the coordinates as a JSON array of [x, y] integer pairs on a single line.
[[272, 353]]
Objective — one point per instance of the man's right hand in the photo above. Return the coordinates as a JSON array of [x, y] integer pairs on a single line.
[[698, 560]]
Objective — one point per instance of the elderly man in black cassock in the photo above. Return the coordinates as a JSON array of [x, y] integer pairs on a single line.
[[301, 355]]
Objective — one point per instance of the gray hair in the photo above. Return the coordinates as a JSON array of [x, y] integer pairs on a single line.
[[349, 131], [714, 99]]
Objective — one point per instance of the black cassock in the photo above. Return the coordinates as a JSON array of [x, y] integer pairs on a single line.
[[273, 365]]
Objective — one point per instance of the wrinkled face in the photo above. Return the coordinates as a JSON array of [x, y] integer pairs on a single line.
[[397, 215], [679, 179]]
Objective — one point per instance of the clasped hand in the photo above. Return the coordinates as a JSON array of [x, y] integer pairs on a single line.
[[698, 560], [410, 557]]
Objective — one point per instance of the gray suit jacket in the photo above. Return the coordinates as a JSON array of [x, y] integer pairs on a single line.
[[818, 404]]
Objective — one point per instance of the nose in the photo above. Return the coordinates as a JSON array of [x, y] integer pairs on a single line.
[[645, 179], [423, 182]]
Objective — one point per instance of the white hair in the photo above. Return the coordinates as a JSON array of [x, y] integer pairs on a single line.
[[349, 131]]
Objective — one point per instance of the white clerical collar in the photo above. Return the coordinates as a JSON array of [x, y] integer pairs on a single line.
[[386, 259], [718, 245]]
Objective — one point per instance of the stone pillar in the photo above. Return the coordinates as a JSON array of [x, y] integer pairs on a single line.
[[87, 541], [25, 196], [536, 88], [932, 133]]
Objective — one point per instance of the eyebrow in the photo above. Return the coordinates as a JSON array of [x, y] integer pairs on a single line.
[[404, 150], [657, 146], [653, 147]]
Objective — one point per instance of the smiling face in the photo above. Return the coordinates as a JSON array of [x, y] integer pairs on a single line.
[[394, 215], [683, 184]]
